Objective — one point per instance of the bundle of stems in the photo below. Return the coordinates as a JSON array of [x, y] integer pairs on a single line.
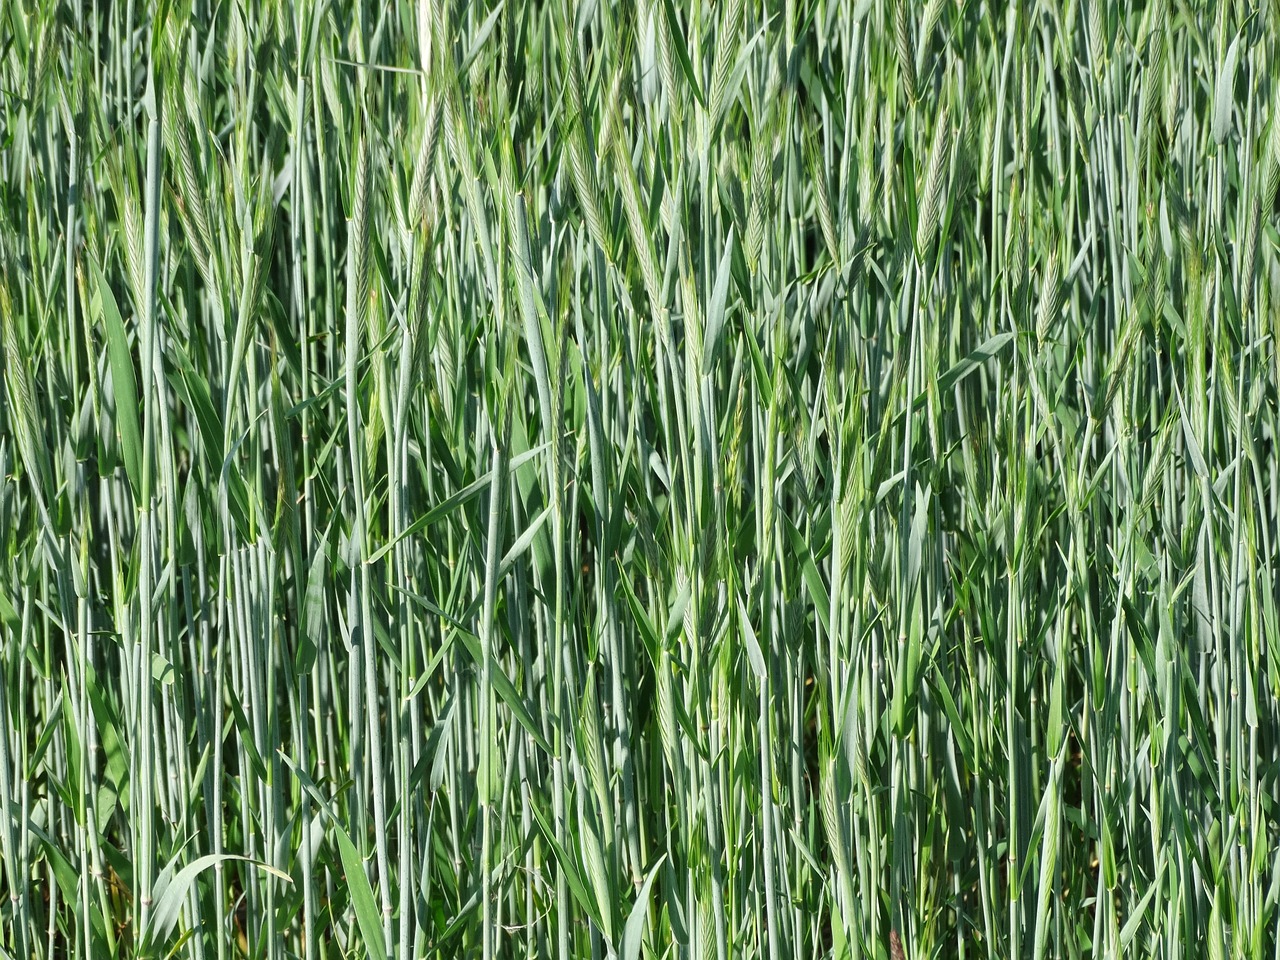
[[671, 478]]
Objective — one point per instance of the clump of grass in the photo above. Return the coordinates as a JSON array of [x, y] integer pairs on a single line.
[[625, 480]]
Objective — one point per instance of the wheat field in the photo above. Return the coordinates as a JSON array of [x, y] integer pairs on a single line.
[[632, 479]]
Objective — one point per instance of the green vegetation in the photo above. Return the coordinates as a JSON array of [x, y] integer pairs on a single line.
[[671, 478]]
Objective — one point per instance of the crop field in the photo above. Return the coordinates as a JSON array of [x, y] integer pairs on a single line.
[[628, 479]]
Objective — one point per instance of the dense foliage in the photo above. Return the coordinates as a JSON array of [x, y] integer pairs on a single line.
[[662, 479]]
